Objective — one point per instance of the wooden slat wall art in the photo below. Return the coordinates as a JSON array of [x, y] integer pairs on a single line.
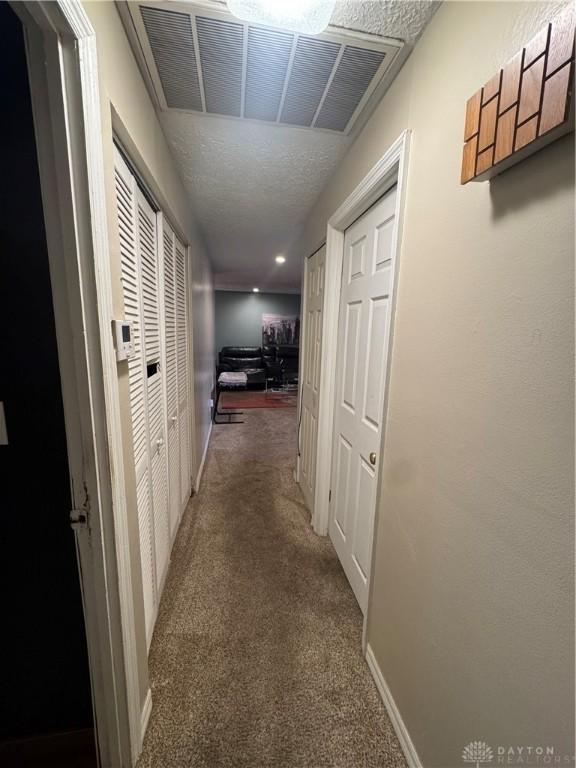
[[525, 106]]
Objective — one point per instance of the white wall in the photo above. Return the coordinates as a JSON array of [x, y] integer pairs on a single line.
[[471, 613], [128, 111]]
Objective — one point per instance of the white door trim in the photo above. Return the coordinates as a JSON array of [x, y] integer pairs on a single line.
[[62, 56], [389, 170], [303, 367], [301, 360]]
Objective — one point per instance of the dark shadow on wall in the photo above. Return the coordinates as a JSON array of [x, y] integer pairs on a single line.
[[44, 685], [547, 172]]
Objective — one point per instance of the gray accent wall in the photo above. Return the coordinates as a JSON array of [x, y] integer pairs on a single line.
[[238, 315]]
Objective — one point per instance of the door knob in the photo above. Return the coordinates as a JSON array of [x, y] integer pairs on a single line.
[[174, 419], [159, 443], [373, 459]]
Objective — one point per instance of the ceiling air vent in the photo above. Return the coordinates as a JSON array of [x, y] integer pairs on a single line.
[[311, 71], [221, 46], [266, 68], [170, 36], [203, 60]]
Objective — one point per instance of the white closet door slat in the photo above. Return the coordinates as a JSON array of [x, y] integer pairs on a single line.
[[170, 322], [171, 376], [161, 522], [154, 274], [150, 282], [149, 270], [145, 528], [126, 193], [183, 370]]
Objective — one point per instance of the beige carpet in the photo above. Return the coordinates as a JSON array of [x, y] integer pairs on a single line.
[[256, 658]]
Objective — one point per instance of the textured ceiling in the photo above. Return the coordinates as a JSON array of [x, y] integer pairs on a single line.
[[252, 185], [402, 19]]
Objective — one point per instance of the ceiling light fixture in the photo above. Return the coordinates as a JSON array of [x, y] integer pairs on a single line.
[[255, 290], [280, 259], [309, 17]]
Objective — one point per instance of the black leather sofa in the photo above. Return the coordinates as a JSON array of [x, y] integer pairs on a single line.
[[278, 363], [250, 360]]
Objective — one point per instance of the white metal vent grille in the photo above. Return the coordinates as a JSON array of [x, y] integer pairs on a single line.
[[266, 67], [221, 44], [207, 61], [354, 74], [172, 44], [313, 64]]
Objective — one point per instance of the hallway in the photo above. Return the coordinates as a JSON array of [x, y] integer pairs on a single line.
[[256, 656], [362, 206]]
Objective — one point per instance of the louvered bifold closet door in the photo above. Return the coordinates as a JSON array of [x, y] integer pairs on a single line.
[[150, 282], [171, 375], [183, 370], [126, 192]]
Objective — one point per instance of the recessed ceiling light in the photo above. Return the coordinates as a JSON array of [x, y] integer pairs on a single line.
[[255, 290], [280, 259], [307, 16]]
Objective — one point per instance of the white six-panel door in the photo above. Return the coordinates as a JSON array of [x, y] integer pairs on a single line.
[[314, 299], [363, 337]]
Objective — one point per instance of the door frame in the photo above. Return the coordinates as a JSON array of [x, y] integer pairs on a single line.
[[63, 74], [391, 169], [302, 356]]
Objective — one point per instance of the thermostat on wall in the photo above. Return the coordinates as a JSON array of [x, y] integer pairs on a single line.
[[123, 339]]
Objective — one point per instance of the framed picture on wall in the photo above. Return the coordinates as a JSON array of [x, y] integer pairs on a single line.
[[280, 329]]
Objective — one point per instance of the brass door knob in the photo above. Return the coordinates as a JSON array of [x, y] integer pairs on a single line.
[[373, 459]]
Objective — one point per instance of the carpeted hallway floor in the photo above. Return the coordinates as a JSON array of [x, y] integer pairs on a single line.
[[256, 658]]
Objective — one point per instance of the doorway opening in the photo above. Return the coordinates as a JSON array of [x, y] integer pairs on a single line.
[[361, 374], [350, 257], [45, 703]]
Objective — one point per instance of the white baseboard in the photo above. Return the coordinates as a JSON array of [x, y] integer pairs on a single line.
[[145, 716], [396, 718], [201, 467]]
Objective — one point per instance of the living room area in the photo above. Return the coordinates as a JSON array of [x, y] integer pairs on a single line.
[[257, 336]]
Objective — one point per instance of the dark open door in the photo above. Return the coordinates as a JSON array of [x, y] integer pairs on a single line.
[[45, 699]]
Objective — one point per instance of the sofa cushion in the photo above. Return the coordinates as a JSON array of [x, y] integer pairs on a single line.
[[242, 363], [245, 359], [237, 352]]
